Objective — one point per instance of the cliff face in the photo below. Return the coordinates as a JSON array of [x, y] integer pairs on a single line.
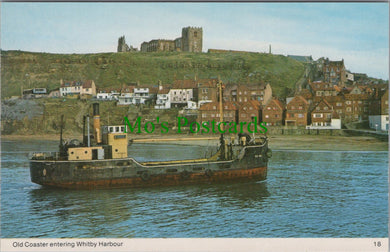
[[30, 70], [42, 116]]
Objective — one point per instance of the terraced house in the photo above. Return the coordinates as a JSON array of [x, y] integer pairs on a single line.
[[78, 88], [249, 110], [297, 113], [211, 111], [273, 113], [323, 116]]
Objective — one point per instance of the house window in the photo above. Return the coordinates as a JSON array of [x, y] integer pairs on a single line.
[[328, 116], [300, 115], [349, 109], [266, 116], [300, 107], [276, 116], [348, 102], [292, 107], [317, 115], [325, 108], [269, 108]]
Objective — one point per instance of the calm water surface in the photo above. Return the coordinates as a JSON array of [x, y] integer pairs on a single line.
[[307, 194]]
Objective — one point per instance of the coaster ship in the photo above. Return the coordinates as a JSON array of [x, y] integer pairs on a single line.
[[105, 164]]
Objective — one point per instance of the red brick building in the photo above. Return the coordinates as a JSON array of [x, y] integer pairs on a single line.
[[236, 93], [207, 90], [322, 114], [210, 111], [273, 113], [334, 72], [244, 93], [322, 89], [297, 113], [356, 107], [249, 110]]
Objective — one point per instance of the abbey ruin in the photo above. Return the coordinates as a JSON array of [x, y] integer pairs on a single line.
[[191, 40]]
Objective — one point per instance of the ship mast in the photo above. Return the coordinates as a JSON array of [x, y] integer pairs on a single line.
[[222, 140], [219, 85], [62, 147]]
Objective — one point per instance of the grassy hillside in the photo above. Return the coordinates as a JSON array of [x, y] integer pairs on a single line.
[[29, 69]]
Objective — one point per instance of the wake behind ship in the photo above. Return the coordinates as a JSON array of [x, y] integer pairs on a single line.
[[105, 163]]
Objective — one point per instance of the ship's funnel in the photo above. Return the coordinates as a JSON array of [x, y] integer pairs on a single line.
[[96, 123]]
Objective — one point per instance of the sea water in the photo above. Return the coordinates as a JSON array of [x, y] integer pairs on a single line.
[[306, 194]]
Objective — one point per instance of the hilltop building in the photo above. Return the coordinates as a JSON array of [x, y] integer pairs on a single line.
[[123, 47], [191, 40]]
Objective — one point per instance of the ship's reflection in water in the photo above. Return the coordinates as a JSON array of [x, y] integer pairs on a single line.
[[149, 212], [306, 194]]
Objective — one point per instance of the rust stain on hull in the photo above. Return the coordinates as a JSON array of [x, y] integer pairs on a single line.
[[254, 174]]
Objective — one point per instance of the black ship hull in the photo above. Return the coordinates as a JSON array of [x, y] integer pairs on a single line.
[[250, 164]]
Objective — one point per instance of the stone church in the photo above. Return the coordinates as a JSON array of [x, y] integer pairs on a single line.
[[191, 40]]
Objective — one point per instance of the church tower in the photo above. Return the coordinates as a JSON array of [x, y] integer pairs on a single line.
[[191, 39]]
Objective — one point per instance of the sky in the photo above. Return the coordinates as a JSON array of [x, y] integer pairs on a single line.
[[355, 32]]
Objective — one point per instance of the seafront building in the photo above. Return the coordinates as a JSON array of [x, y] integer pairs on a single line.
[[334, 99]]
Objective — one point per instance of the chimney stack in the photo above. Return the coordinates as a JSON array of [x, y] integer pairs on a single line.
[[96, 123]]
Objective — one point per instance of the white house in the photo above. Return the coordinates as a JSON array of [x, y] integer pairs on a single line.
[[108, 94], [136, 95], [180, 96], [191, 105], [163, 99], [335, 123], [141, 94], [349, 76], [87, 87], [126, 99]]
